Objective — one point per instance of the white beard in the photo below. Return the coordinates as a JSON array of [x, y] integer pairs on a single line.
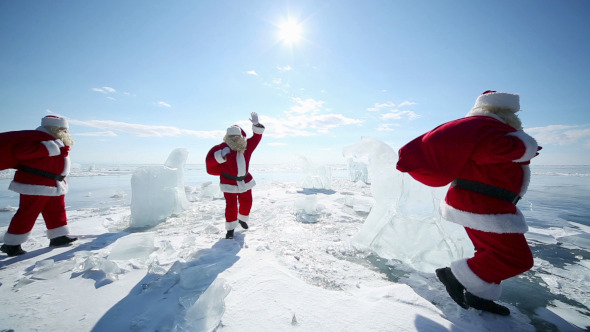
[[236, 143], [63, 135]]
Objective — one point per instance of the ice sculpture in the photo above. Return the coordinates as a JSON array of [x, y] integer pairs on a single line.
[[157, 192], [316, 177], [404, 223]]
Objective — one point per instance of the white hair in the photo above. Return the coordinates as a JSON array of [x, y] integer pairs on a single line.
[[62, 133], [506, 114]]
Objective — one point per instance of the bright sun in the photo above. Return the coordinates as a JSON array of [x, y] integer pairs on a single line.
[[290, 31]]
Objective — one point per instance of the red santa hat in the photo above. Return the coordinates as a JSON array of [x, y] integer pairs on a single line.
[[54, 121], [235, 130], [499, 99]]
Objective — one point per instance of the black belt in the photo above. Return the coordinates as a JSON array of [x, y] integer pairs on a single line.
[[42, 173], [236, 178], [487, 189]]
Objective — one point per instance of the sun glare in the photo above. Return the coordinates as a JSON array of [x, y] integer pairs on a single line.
[[290, 32]]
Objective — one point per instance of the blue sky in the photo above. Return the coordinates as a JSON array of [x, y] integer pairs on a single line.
[[137, 79]]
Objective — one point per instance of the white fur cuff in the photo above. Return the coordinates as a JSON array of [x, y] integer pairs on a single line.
[[15, 239], [52, 148], [231, 225], [529, 143], [474, 284], [57, 232]]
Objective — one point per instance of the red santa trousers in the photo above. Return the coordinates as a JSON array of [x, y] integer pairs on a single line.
[[53, 209], [237, 206], [499, 256]]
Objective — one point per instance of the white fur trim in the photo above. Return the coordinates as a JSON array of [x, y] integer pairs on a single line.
[[241, 187], [241, 161], [52, 147], [218, 157], [526, 179], [499, 99], [67, 166], [231, 225], [243, 217], [33, 189], [474, 284], [15, 239], [257, 130], [529, 143], [234, 130], [57, 232], [54, 121], [493, 223]]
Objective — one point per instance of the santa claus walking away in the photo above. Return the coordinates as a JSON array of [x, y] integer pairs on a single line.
[[231, 161], [41, 159], [485, 157]]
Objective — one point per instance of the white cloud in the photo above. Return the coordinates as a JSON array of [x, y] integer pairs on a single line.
[[305, 118], [381, 106], [393, 112], [104, 89], [142, 130], [406, 103], [163, 104], [285, 68], [561, 134], [398, 115], [252, 72], [385, 127], [98, 134]]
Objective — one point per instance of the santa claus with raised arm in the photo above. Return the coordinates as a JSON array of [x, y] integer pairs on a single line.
[[41, 159], [231, 161], [485, 157]]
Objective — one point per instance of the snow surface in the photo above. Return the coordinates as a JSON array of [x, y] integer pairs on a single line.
[[302, 266], [280, 275]]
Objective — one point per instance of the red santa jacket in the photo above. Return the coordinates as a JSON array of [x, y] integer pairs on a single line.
[[233, 168], [36, 149], [477, 148]]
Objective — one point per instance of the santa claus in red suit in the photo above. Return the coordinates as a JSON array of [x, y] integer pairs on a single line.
[[485, 157], [231, 161], [41, 159]]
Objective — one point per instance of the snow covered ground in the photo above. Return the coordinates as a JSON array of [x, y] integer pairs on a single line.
[[282, 274]]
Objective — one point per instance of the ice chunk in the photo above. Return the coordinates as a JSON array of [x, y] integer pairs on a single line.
[[158, 191], [315, 177], [307, 209], [195, 276], [207, 311], [404, 223], [134, 246], [357, 171]]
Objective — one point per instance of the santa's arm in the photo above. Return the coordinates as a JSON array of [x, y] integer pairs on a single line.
[[257, 129], [515, 147]]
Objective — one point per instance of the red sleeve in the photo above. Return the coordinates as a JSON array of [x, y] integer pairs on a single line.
[[211, 163]]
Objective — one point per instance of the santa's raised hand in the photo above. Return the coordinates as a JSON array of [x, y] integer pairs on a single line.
[[254, 118]]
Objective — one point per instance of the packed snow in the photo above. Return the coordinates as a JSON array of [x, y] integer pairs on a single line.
[[306, 263]]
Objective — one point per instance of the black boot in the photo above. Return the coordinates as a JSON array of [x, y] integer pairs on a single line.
[[478, 303], [12, 250], [229, 234], [61, 241], [453, 286], [243, 224]]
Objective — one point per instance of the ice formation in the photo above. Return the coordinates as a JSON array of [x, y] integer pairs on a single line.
[[403, 223], [357, 171], [316, 177], [158, 191], [207, 311]]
